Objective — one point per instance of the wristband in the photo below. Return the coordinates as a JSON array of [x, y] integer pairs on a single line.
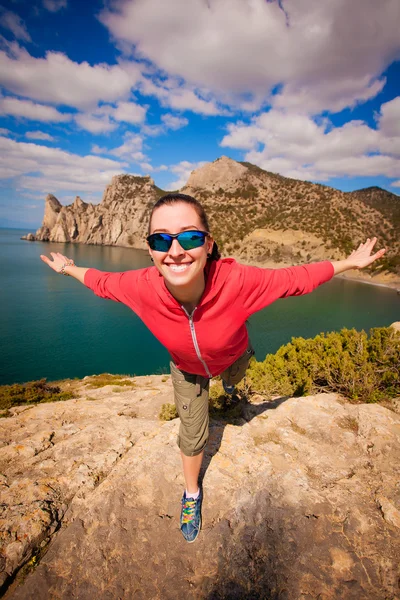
[[69, 263]]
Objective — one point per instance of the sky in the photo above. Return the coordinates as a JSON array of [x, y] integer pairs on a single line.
[[90, 89]]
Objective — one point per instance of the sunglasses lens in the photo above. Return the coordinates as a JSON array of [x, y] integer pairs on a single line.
[[191, 239], [160, 242], [187, 239]]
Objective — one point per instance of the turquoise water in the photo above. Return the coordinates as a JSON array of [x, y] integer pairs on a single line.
[[52, 326]]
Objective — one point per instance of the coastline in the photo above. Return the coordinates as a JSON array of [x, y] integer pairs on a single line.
[[358, 277], [392, 285]]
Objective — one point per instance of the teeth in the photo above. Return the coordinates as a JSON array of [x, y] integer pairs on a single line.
[[178, 268]]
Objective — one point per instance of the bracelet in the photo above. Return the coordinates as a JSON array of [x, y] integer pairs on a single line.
[[69, 263]]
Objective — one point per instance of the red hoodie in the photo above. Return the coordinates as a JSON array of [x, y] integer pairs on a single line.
[[210, 339]]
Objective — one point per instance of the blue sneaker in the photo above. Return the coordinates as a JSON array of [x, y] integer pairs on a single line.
[[229, 389], [191, 517]]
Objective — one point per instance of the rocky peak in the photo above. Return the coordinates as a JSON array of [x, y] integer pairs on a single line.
[[79, 204], [51, 210], [123, 187], [223, 173], [53, 203]]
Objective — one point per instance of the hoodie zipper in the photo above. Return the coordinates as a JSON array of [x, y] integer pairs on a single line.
[[196, 345]]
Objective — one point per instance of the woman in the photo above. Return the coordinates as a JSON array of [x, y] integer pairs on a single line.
[[197, 304]]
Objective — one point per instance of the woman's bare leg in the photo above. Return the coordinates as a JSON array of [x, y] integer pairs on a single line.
[[191, 471]]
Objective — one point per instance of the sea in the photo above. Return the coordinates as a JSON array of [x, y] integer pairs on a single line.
[[53, 327]]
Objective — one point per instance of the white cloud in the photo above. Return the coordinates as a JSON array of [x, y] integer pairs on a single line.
[[15, 24], [4, 131], [169, 121], [296, 146], [129, 112], [183, 170], [39, 135], [146, 167], [396, 183], [96, 122], [30, 110], [95, 149], [130, 148], [173, 94], [389, 119], [54, 5], [333, 95], [322, 54], [173, 122], [153, 130], [105, 118], [43, 169], [57, 79]]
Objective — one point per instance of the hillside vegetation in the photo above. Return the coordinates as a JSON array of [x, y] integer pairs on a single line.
[[328, 222]]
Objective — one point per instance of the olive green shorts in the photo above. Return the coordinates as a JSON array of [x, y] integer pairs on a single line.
[[191, 401]]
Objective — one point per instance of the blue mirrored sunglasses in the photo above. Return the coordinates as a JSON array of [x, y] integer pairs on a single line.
[[162, 242]]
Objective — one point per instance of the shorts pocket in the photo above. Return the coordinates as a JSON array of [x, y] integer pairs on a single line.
[[237, 370], [184, 390]]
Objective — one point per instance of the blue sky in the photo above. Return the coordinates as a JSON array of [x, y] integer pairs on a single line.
[[306, 88]]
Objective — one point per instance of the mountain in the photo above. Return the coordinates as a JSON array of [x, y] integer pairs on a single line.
[[254, 215]]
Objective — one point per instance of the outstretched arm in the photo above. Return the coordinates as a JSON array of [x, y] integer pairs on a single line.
[[359, 258], [59, 260], [118, 286]]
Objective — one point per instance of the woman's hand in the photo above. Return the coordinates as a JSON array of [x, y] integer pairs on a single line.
[[362, 257], [58, 260], [359, 258]]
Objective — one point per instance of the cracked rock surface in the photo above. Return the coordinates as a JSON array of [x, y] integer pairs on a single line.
[[301, 500]]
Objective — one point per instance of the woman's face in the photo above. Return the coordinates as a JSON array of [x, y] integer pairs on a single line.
[[179, 267]]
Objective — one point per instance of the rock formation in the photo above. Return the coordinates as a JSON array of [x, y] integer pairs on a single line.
[[119, 220], [317, 222], [301, 500]]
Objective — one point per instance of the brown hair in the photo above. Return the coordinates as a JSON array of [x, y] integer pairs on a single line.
[[175, 198]]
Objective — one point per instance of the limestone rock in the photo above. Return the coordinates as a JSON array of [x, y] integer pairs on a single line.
[[301, 500], [223, 173], [119, 220]]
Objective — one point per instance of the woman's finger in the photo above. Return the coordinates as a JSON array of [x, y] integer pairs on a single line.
[[49, 262], [379, 253]]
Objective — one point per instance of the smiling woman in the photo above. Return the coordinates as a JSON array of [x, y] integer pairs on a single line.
[[197, 305]]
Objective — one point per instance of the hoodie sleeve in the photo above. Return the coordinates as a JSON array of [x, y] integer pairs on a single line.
[[260, 287], [120, 287]]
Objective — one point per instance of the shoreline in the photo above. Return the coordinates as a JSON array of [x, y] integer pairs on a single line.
[[362, 278], [392, 286]]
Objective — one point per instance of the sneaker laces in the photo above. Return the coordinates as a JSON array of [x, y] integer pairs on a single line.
[[188, 510]]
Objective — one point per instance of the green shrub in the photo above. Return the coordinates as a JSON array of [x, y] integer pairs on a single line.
[[347, 362], [98, 381], [168, 412], [32, 392]]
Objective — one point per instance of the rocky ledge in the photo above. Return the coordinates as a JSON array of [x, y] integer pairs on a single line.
[[301, 500]]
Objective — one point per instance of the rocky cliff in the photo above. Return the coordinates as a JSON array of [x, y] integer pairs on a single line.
[[301, 499], [255, 215], [120, 219]]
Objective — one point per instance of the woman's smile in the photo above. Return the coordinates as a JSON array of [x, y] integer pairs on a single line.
[[179, 267]]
